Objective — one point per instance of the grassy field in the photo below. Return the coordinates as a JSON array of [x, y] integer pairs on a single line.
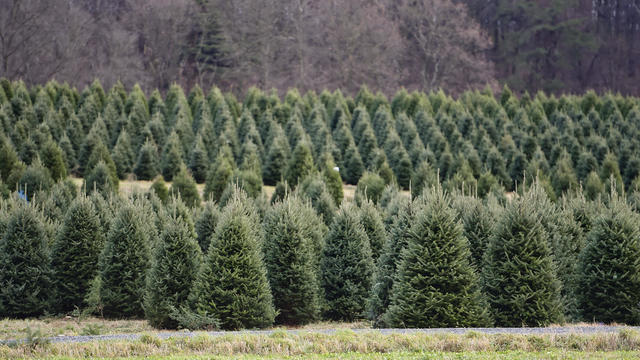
[[343, 344]]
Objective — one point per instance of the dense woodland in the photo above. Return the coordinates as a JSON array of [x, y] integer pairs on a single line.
[[517, 210], [558, 46]]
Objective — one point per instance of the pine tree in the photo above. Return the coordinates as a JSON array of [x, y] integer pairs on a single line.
[[518, 276], [75, 254], [593, 187], [172, 157], [274, 165], [346, 266], [478, 221], [123, 264], [300, 164], [609, 271], [353, 167], [147, 164], [424, 177], [333, 181], [199, 161], [184, 185], [290, 262], [159, 187], [173, 270], [370, 187], [53, 159], [385, 272], [218, 176], [25, 272], [8, 158], [35, 179], [206, 224], [123, 155], [435, 286], [232, 283], [373, 225], [610, 173], [99, 179]]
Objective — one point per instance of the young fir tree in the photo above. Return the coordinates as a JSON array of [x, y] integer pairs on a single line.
[[53, 159], [206, 224], [123, 265], [519, 276], [435, 285], [35, 179], [172, 160], [147, 164], [300, 164], [347, 267], [424, 177], [478, 221], [75, 254], [609, 271], [218, 176], [184, 186], [123, 155], [386, 266], [100, 180], [370, 187], [333, 180], [159, 187], [353, 167], [290, 261], [173, 270], [371, 220], [232, 283], [280, 192], [276, 160], [25, 260], [199, 161]]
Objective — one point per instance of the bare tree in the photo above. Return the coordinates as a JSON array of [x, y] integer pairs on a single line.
[[446, 46]]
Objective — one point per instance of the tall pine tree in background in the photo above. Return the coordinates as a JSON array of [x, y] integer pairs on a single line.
[[147, 165]]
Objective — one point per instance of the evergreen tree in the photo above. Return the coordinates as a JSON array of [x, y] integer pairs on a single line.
[[53, 159], [172, 160], [147, 164], [159, 187], [346, 266], [206, 224], [478, 220], [593, 187], [75, 254], [199, 162], [370, 187], [101, 154], [564, 178], [290, 262], [184, 186], [274, 165], [300, 164], [25, 260], [371, 221], [333, 181], [423, 178], [385, 272], [123, 265], [218, 176], [232, 283], [173, 270], [100, 180], [609, 272], [435, 285], [8, 158], [35, 179], [353, 167], [610, 173], [518, 275], [123, 155]]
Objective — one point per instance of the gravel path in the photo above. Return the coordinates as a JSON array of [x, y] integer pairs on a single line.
[[522, 331]]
